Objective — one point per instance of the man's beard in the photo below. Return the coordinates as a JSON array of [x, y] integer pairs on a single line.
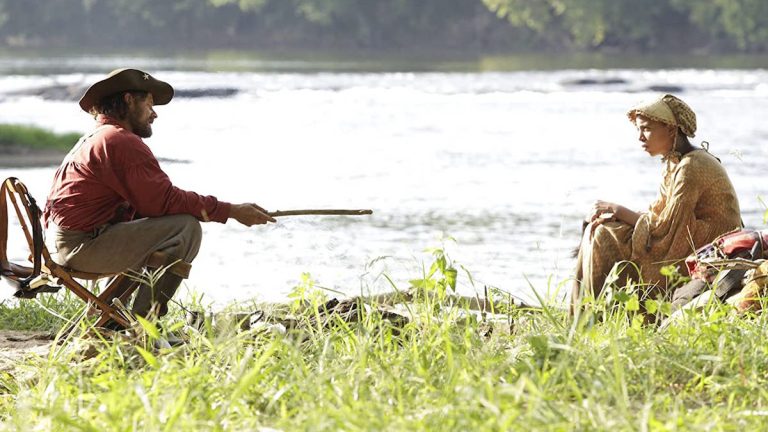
[[144, 130]]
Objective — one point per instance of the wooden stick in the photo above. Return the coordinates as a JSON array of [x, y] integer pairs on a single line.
[[279, 213]]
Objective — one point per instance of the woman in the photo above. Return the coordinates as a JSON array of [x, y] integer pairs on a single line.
[[696, 203]]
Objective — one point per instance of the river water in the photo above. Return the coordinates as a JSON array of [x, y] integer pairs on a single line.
[[498, 167]]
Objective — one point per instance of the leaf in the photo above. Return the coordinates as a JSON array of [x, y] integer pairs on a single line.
[[669, 271], [651, 306], [637, 322], [148, 357], [633, 304], [148, 327], [666, 308], [539, 343], [621, 296], [441, 263], [433, 269], [426, 284], [450, 277]]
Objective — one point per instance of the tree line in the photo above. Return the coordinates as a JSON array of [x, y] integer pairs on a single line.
[[413, 25]]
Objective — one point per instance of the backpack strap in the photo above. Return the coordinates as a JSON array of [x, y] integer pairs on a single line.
[[36, 226], [5, 267], [37, 236]]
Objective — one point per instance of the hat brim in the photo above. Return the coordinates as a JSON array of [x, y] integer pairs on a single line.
[[123, 80]]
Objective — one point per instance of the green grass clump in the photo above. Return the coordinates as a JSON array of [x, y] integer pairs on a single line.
[[45, 313], [34, 137], [445, 369]]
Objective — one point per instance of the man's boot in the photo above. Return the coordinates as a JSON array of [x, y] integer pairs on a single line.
[[153, 300], [124, 285]]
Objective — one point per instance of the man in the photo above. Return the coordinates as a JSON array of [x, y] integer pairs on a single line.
[[111, 205]]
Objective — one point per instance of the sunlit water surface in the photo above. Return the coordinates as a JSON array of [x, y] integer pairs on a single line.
[[505, 163]]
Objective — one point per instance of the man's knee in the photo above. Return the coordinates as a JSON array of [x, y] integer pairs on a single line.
[[183, 235], [192, 228], [193, 235]]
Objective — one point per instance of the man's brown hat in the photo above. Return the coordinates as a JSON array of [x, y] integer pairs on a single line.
[[122, 80]]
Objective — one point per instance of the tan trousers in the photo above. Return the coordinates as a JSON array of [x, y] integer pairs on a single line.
[[126, 246]]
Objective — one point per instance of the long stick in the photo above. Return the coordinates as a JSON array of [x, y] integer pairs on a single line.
[[279, 213]]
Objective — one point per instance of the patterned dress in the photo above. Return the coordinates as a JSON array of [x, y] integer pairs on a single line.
[[696, 203]]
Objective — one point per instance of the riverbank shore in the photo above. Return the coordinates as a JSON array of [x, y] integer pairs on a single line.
[[24, 146], [12, 156]]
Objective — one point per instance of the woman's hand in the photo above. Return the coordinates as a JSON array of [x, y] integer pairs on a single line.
[[604, 211]]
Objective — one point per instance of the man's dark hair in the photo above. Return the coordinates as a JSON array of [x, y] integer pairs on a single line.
[[114, 105]]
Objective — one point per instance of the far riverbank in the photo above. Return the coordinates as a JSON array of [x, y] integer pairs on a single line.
[[23, 146], [26, 157]]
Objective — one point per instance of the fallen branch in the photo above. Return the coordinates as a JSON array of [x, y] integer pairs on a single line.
[[337, 212]]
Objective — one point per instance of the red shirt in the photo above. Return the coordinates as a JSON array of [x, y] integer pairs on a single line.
[[112, 176]]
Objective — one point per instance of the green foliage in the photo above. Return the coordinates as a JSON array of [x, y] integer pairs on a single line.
[[592, 23], [441, 275], [765, 206], [30, 136], [743, 22], [246, 23], [244, 5], [674, 278], [305, 295], [441, 371], [506, 24], [47, 312]]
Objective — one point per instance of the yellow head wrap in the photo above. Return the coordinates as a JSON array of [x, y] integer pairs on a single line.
[[669, 110]]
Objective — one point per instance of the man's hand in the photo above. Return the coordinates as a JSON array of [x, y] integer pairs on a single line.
[[249, 214]]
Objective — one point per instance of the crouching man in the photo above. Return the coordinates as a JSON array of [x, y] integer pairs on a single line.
[[111, 205]]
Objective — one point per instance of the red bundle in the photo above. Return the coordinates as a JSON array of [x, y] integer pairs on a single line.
[[742, 243]]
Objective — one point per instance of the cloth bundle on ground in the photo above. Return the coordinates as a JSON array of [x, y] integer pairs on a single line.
[[731, 266]]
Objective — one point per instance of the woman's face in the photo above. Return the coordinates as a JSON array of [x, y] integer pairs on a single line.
[[657, 137]]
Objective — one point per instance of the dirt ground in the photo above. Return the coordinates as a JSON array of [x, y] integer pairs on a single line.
[[16, 345]]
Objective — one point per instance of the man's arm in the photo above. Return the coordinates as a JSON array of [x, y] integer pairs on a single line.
[[164, 198], [136, 175]]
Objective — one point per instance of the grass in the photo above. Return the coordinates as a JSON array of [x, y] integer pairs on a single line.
[[444, 370], [34, 137]]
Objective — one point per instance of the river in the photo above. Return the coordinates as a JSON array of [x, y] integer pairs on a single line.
[[498, 166]]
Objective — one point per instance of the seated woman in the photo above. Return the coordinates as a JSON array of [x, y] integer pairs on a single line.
[[696, 203]]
